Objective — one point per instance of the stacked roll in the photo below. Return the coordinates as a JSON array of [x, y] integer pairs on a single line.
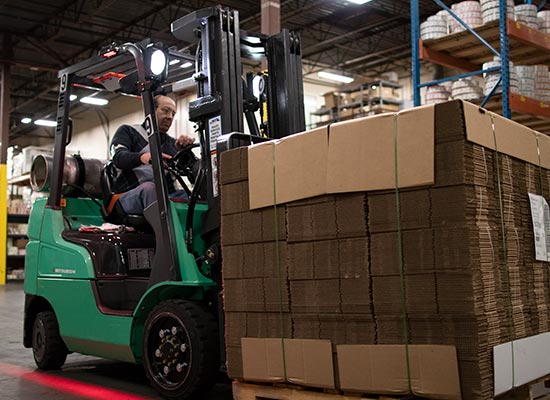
[[466, 89], [544, 21], [527, 15], [434, 27], [542, 83], [490, 10], [491, 78], [445, 15], [437, 94], [526, 78], [467, 11]]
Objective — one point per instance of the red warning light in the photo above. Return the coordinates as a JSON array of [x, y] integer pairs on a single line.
[[109, 54], [107, 76]]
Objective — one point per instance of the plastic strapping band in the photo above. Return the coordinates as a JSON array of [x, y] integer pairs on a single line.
[[540, 166], [278, 260], [505, 249], [400, 254]]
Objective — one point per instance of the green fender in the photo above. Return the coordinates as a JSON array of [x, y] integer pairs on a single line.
[[160, 292]]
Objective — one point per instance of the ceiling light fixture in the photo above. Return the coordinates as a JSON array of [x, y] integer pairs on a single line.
[[186, 64], [73, 97], [45, 122], [334, 77], [26, 120], [174, 61], [359, 1], [96, 101]]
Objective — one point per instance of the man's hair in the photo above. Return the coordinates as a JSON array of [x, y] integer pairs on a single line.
[[156, 100]]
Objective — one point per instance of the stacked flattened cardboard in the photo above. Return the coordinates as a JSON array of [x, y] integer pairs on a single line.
[[470, 279]]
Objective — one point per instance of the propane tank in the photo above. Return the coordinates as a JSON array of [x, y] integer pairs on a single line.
[[77, 171]]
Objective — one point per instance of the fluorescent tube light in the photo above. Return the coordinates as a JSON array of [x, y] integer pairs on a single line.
[[45, 122], [174, 61], [186, 64], [96, 101], [359, 1], [26, 120], [335, 77]]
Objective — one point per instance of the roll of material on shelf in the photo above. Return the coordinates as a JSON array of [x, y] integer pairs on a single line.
[[437, 94], [466, 89], [492, 78], [544, 21], [467, 11], [527, 15]]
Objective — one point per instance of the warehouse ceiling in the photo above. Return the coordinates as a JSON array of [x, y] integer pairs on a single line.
[[39, 37]]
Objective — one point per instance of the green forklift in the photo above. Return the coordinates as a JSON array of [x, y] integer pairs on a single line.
[[151, 293]]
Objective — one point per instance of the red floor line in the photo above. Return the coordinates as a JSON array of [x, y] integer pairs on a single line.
[[66, 385]]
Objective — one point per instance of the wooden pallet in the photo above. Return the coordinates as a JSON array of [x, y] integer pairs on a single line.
[[249, 391]]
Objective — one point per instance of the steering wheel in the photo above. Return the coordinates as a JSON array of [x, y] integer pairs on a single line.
[[182, 163], [184, 156]]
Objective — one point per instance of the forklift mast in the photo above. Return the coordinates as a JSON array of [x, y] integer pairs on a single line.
[[222, 91], [223, 96]]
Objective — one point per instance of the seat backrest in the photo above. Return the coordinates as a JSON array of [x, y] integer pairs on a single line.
[[114, 213], [108, 176]]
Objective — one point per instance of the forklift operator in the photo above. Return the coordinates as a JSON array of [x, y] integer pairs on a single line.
[[130, 153]]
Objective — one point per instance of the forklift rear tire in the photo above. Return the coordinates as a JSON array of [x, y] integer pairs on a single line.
[[48, 348], [180, 349]]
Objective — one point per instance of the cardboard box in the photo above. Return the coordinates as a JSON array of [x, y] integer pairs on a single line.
[[384, 107], [315, 296], [521, 361], [234, 165], [360, 154], [346, 113], [306, 362], [385, 92], [234, 198], [341, 278], [332, 100], [268, 325], [241, 295], [300, 163], [312, 222], [382, 369]]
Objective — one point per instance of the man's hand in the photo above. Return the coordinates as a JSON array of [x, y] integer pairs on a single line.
[[145, 158], [184, 140]]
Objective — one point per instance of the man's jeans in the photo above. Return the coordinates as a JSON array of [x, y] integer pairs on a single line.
[[138, 199]]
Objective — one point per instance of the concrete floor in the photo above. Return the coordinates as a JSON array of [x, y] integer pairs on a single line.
[[82, 377]]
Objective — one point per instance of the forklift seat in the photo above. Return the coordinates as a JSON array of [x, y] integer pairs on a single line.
[[112, 211]]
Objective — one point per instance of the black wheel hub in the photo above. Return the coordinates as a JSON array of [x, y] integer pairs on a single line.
[[38, 340], [169, 352]]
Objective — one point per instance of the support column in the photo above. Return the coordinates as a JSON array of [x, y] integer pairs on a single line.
[[271, 17], [271, 20], [5, 106]]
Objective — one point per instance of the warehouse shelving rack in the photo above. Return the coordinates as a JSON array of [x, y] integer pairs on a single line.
[[469, 49], [370, 100]]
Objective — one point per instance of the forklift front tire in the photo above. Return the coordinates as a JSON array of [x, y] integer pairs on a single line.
[[180, 349], [48, 348]]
